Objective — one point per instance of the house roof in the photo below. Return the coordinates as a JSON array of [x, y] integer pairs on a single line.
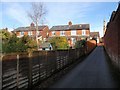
[[71, 27], [94, 34], [29, 28]]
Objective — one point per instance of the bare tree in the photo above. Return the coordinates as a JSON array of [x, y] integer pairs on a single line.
[[36, 13]]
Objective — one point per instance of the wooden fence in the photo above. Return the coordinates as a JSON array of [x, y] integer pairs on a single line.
[[25, 70]]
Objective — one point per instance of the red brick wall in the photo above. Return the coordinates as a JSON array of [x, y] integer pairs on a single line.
[[44, 32], [87, 32], [112, 39], [50, 33], [68, 32], [57, 33], [26, 33], [91, 44], [79, 32]]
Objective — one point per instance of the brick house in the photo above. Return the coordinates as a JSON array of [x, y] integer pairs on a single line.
[[31, 31], [95, 35], [71, 32]]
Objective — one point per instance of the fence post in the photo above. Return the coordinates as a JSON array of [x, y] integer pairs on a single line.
[[1, 72], [46, 57], [75, 54], [30, 72], [56, 61], [17, 71], [68, 59], [118, 62], [39, 66]]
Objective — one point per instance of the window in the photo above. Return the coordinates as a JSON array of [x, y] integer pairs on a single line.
[[62, 33], [73, 32], [29, 33], [22, 33], [53, 33], [39, 33], [83, 32], [73, 40]]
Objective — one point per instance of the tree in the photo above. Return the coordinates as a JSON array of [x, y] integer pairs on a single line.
[[5, 35], [14, 44], [59, 42], [11, 43], [37, 12], [81, 43], [29, 42]]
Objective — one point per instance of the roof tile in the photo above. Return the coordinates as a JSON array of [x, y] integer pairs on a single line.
[[28, 28], [72, 27]]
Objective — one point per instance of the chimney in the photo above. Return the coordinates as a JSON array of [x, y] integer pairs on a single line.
[[70, 23], [32, 24]]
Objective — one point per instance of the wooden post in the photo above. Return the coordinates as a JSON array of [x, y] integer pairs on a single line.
[[68, 59], [1, 72], [17, 71], [30, 72], [46, 64], [55, 60], [118, 62], [40, 58]]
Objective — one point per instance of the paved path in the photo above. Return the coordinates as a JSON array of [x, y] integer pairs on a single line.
[[93, 72]]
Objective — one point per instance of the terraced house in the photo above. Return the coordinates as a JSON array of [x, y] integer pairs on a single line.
[[71, 32], [95, 35], [42, 32]]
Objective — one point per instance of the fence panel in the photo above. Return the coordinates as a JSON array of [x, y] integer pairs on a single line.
[[51, 62], [42, 61], [9, 72], [23, 71], [35, 67], [26, 70], [62, 58]]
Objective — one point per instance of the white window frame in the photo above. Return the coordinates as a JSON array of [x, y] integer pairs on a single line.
[[53, 33], [83, 32], [62, 33], [73, 40], [22, 33], [73, 32], [29, 33]]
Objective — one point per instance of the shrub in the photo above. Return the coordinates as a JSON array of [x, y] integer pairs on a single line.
[[81, 43], [59, 42], [11, 43]]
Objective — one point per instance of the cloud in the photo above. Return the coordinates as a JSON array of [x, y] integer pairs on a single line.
[[16, 12], [61, 13]]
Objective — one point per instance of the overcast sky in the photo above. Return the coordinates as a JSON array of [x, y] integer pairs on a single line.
[[13, 14]]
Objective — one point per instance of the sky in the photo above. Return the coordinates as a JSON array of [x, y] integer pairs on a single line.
[[14, 14]]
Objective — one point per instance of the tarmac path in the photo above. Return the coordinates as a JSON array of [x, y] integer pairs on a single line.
[[93, 72]]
